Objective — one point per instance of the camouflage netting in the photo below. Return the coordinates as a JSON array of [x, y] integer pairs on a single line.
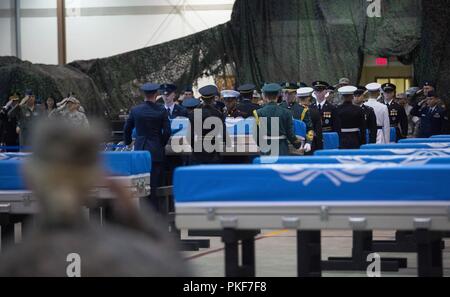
[[265, 40]]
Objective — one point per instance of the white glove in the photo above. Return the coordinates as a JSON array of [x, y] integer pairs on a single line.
[[10, 102], [422, 102], [307, 147]]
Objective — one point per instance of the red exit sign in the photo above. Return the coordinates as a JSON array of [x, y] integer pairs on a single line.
[[381, 61]]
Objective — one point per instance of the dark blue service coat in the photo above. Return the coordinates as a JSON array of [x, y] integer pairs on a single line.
[[153, 131]]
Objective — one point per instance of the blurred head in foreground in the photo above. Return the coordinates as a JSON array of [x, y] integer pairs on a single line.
[[63, 169]]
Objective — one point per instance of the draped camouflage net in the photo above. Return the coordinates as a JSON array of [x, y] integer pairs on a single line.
[[265, 40]]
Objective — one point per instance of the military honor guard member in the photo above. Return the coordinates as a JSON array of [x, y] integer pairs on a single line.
[[188, 92], [298, 112], [168, 95], [230, 97], [326, 109], [286, 127], [381, 113], [8, 126], [247, 106], [152, 124], [397, 115], [369, 113], [190, 104], [351, 117], [433, 118], [27, 112], [208, 110], [304, 94]]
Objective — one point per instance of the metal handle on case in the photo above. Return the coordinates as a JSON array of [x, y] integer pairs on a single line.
[[229, 222], [422, 223], [291, 222], [5, 208], [358, 223]]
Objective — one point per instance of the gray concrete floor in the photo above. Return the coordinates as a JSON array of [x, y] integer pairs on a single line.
[[276, 255]]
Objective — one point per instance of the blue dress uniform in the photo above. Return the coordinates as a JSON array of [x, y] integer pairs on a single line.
[[152, 134], [330, 123], [352, 120], [397, 114], [433, 120], [190, 104], [246, 106], [286, 126], [176, 111]]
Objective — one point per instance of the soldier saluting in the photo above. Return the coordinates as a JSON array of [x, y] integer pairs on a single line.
[[26, 113], [433, 118]]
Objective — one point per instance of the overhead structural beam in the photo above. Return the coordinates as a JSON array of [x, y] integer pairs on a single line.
[[61, 19], [16, 36]]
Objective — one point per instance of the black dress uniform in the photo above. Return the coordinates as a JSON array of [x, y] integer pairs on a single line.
[[352, 120], [209, 110], [8, 132], [246, 106], [327, 111], [316, 120], [304, 93], [151, 121], [433, 120], [230, 97], [234, 113], [369, 116], [220, 106], [371, 123], [397, 114]]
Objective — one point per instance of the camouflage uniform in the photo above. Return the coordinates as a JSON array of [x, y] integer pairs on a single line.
[[77, 119]]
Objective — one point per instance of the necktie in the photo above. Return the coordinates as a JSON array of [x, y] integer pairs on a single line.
[[168, 111]]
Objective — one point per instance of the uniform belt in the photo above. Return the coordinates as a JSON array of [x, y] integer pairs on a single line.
[[327, 129], [350, 130], [380, 127], [274, 137]]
